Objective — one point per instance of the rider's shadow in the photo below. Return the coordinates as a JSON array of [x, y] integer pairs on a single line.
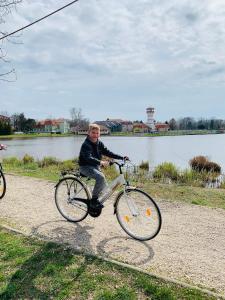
[[126, 250], [77, 235]]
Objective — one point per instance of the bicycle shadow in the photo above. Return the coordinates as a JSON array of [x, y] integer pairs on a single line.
[[79, 236], [126, 249], [64, 232]]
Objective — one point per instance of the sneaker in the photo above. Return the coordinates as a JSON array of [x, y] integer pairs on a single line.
[[95, 203]]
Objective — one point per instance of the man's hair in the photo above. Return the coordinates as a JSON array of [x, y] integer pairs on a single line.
[[93, 126]]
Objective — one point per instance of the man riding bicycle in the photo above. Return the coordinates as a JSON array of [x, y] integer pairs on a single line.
[[90, 162]]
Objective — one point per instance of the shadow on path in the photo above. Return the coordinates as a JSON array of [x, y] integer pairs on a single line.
[[126, 250]]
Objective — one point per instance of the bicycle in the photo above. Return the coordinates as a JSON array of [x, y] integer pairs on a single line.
[[136, 211], [2, 177]]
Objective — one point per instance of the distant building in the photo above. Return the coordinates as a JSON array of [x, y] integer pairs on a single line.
[[53, 126], [140, 128], [162, 127], [84, 130], [126, 126], [112, 125], [150, 118]]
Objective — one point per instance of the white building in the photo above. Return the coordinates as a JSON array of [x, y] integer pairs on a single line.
[[150, 118]]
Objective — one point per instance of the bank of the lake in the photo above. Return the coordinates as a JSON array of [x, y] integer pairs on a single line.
[[50, 169], [125, 134], [176, 149], [168, 133]]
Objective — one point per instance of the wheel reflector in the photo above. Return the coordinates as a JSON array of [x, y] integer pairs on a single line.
[[127, 219], [148, 212]]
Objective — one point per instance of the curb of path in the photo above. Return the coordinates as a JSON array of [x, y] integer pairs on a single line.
[[125, 265]]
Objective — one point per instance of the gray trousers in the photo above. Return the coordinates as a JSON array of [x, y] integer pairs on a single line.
[[95, 173]]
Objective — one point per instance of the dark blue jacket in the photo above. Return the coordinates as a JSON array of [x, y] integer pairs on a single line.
[[91, 153]]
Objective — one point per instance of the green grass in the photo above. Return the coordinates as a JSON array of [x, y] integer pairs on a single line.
[[30, 269], [188, 194], [166, 133], [49, 168]]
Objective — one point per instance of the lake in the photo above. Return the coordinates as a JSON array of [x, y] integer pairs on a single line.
[[176, 149]]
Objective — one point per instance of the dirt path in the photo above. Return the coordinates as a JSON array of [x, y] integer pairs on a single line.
[[190, 246]]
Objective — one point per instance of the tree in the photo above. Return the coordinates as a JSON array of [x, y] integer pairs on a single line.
[[77, 118], [18, 121], [6, 7], [29, 125], [5, 127], [173, 124]]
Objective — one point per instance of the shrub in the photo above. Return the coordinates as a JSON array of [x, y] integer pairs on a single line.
[[48, 161], [201, 163], [144, 165], [213, 167], [27, 159], [68, 165], [166, 170], [31, 166], [12, 161], [198, 163]]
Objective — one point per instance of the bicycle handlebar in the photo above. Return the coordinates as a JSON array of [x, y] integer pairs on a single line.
[[119, 164]]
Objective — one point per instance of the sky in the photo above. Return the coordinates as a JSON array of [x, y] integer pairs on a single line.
[[113, 59]]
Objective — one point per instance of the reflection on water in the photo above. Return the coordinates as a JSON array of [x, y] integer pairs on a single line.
[[178, 149]]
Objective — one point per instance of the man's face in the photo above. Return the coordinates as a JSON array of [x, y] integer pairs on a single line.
[[94, 134]]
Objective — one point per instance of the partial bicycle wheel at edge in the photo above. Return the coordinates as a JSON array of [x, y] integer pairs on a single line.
[[138, 214], [66, 190], [2, 185]]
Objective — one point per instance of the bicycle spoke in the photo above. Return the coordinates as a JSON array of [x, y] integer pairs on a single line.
[[67, 190], [138, 214]]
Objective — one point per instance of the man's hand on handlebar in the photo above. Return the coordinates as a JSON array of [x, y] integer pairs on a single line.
[[104, 163]]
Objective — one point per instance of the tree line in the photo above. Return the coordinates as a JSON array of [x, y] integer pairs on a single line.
[[18, 122], [189, 123]]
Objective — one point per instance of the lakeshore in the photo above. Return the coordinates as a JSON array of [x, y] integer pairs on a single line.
[[176, 149], [122, 134]]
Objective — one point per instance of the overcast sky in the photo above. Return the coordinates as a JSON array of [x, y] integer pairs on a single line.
[[113, 59]]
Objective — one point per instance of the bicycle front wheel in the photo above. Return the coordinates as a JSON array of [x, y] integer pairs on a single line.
[[2, 185], [138, 214], [66, 190]]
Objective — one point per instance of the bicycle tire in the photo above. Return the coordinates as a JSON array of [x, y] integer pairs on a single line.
[[66, 189], [138, 214], [2, 185]]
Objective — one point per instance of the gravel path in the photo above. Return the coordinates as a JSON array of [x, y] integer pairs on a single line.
[[190, 246]]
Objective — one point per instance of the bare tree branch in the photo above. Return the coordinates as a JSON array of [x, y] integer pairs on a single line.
[[11, 72], [6, 7]]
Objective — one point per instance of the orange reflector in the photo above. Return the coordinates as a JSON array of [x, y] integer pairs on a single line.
[[127, 219], [148, 212]]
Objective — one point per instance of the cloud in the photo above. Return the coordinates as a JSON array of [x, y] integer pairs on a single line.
[[146, 52], [144, 37]]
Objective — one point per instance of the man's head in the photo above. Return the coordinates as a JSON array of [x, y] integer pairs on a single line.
[[94, 132]]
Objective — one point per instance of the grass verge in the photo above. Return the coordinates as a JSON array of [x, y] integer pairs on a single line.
[[49, 168], [32, 269]]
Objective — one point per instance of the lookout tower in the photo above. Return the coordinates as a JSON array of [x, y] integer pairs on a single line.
[[150, 117]]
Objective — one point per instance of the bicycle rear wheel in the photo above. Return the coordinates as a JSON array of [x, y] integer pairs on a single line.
[[138, 214], [2, 185], [66, 190]]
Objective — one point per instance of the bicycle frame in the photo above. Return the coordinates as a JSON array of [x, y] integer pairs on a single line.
[[111, 187]]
